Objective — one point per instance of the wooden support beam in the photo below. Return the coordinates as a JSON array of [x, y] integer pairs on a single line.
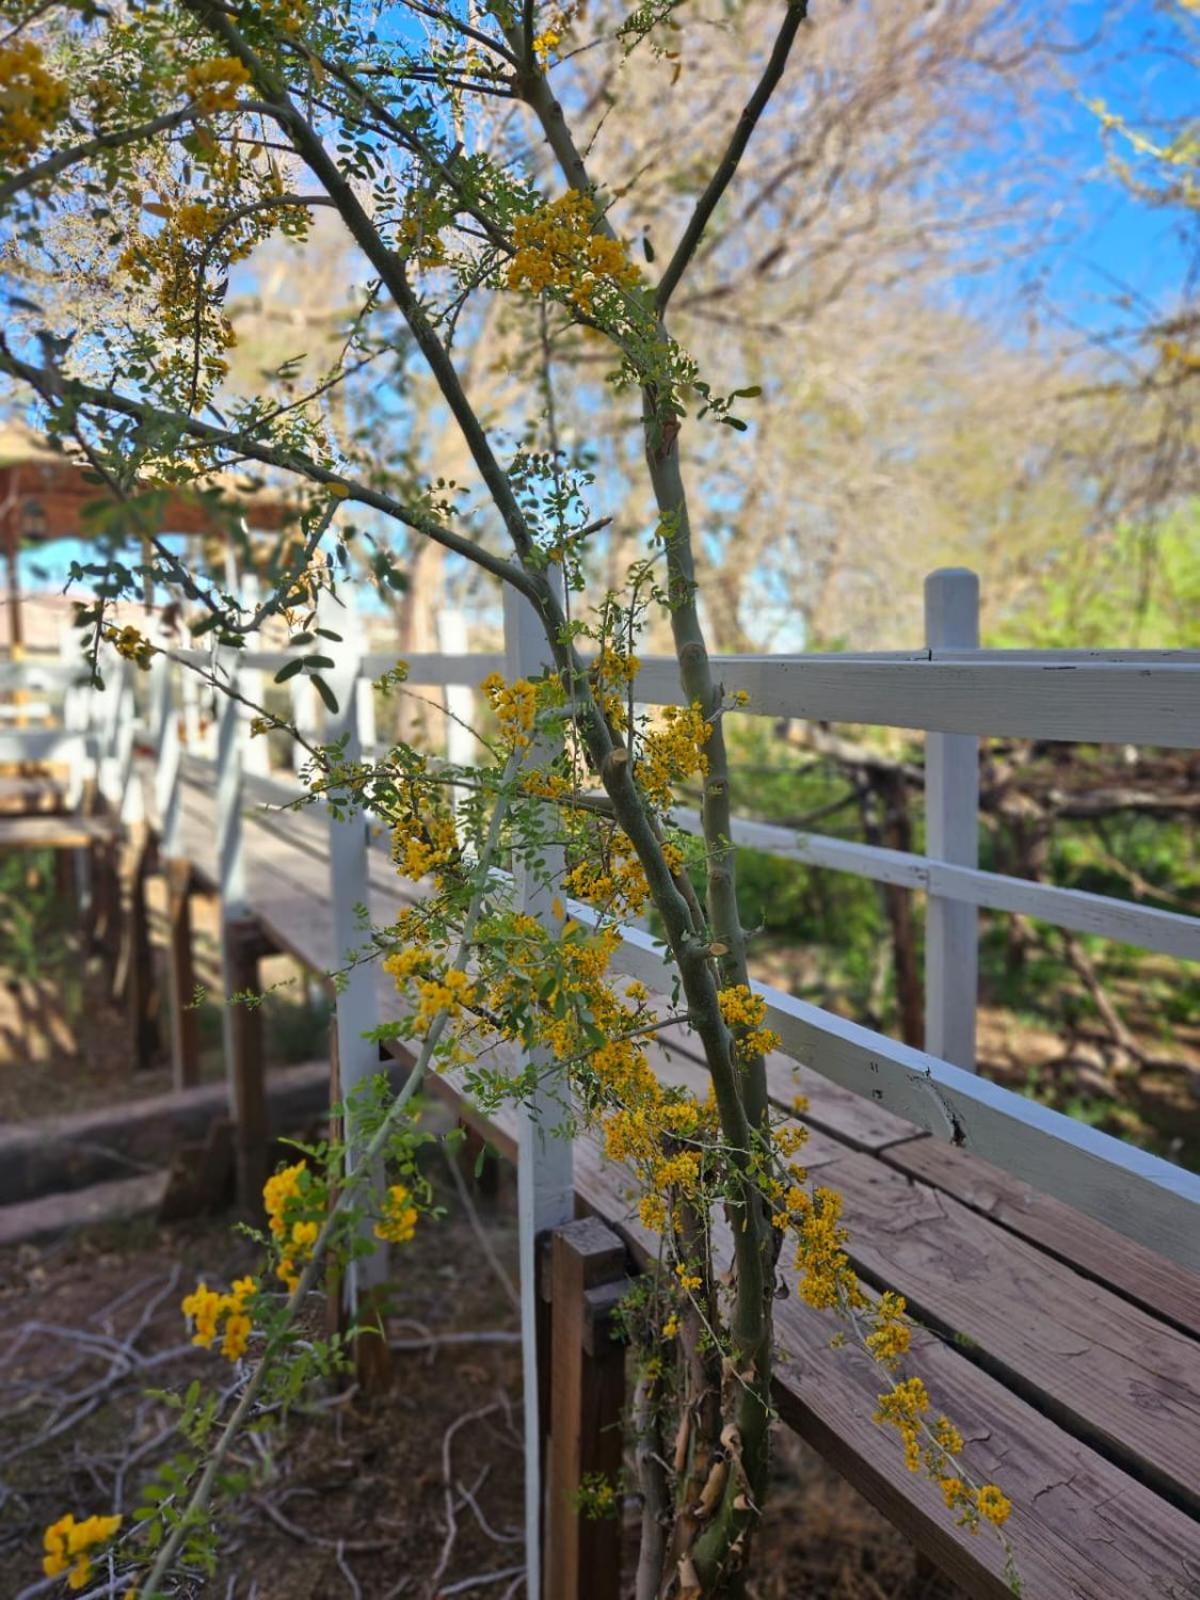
[[181, 975], [583, 1559], [243, 945], [136, 977]]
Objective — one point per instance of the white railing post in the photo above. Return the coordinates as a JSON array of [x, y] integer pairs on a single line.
[[164, 726], [951, 834], [459, 702], [190, 700], [231, 849], [241, 1024], [545, 1159], [357, 1003], [250, 682], [304, 716]]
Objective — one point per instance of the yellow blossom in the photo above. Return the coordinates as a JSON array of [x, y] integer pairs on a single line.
[[399, 1220]]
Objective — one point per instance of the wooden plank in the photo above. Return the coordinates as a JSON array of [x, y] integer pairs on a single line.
[[1077, 701], [241, 941], [1132, 1191], [181, 976], [1112, 1373], [583, 1560], [54, 832], [1082, 1528], [1168, 1292], [88, 1147], [830, 1109], [436, 667], [114, 1201]]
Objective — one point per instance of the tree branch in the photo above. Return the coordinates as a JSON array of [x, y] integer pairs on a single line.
[[797, 11], [293, 461]]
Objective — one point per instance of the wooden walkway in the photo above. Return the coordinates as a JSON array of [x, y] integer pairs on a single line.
[[1068, 1355]]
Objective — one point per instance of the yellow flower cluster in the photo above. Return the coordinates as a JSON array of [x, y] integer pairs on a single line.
[[744, 1012], [295, 1237], [290, 15], [421, 243], [399, 1220], [69, 1544], [205, 1307], [826, 1277], [131, 645], [422, 843], [992, 1504], [214, 84], [741, 1007], [614, 882], [449, 993], [545, 43], [515, 705], [903, 1408], [612, 673], [558, 251], [32, 101], [891, 1335], [673, 752], [196, 219]]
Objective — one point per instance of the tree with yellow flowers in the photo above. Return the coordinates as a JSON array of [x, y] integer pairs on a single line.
[[149, 149]]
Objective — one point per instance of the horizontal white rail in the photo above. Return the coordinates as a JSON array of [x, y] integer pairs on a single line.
[[1132, 1191], [1172, 933], [38, 674], [424, 667], [42, 744], [1079, 701]]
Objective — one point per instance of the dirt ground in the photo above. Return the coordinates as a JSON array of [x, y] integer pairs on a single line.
[[417, 1493]]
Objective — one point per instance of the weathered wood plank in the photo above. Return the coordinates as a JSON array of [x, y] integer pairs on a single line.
[[1133, 1191], [1169, 1292], [1112, 1373], [587, 1398], [53, 832], [113, 1201], [1082, 1528]]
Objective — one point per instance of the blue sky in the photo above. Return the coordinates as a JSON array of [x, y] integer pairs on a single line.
[[1104, 242], [1107, 240]]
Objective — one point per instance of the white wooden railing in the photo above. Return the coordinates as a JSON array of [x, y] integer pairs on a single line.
[[953, 691]]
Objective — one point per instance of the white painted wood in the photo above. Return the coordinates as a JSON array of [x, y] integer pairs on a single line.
[[165, 735], [545, 1168], [357, 1004], [230, 778], [439, 668], [250, 683], [39, 744], [1102, 702], [231, 844], [129, 802], [459, 700], [1170, 932], [952, 835], [189, 699]]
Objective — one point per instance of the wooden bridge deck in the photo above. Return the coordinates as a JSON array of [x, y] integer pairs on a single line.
[[1068, 1355]]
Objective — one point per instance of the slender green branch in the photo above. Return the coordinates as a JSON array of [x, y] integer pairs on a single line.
[[206, 1484], [46, 381]]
